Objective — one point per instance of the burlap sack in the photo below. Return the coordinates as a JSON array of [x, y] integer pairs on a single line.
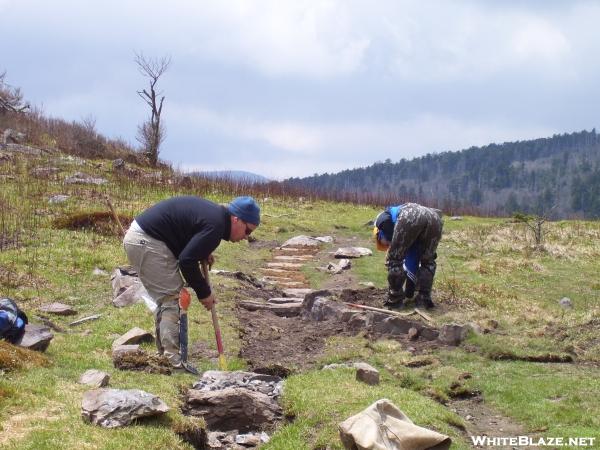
[[382, 426]]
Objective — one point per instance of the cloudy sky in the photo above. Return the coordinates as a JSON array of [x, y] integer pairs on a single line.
[[292, 87]]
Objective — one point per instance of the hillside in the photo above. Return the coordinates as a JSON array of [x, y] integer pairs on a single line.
[[559, 175], [529, 367]]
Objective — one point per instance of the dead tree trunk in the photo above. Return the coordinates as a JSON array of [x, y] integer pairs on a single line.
[[151, 133]]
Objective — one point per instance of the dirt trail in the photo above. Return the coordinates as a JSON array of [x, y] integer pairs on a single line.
[[282, 345]]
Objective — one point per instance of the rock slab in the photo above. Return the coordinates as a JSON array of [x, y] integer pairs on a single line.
[[36, 337], [134, 336], [111, 408], [94, 378], [60, 309]]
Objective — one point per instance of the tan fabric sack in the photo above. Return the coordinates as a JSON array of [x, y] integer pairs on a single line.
[[382, 426]]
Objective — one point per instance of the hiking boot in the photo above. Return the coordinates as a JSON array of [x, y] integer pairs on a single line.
[[395, 300], [409, 289], [424, 301]]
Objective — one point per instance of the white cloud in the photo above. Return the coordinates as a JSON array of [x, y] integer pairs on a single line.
[[303, 148]]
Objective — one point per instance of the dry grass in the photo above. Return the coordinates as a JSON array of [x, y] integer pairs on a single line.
[[14, 358]]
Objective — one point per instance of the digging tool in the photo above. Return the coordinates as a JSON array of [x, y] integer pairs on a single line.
[[215, 321], [114, 214], [184, 303], [391, 313]]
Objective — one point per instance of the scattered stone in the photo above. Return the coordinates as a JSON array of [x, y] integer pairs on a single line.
[[85, 319], [133, 294], [352, 252], [367, 284], [302, 241], [82, 178], [95, 378], [112, 408], [134, 336], [99, 272], [239, 400], [12, 136], [453, 334], [566, 303], [36, 337], [118, 164], [44, 172], [456, 218], [343, 264], [60, 309], [24, 149], [325, 239], [367, 373], [60, 198], [413, 334]]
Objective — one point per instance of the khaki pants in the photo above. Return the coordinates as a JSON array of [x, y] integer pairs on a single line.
[[158, 270]]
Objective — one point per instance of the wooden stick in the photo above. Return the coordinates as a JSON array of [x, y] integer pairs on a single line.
[[215, 321], [114, 214], [381, 310]]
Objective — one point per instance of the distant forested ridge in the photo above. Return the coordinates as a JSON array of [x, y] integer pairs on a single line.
[[558, 176]]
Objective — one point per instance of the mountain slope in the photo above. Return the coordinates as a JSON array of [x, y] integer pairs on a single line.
[[560, 174]]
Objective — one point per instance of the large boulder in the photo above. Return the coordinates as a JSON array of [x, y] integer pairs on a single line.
[[233, 409], [112, 408]]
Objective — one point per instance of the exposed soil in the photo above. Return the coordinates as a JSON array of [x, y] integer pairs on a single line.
[[279, 346], [481, 420]]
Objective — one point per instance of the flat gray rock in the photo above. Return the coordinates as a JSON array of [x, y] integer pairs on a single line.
[[60, 309], [134, 336], [297, 292], [94, 378], [291, 309], [133, 294], [366, 373], [453, 334], [111, 408], [352, 252], [36, 337], [59, 198], [302, 241]]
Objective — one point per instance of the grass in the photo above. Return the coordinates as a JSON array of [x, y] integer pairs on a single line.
[[488, 272]]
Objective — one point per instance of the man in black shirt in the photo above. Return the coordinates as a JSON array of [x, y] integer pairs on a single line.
[[166, 243]]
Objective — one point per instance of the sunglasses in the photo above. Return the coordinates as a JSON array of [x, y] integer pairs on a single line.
[[248, 230]]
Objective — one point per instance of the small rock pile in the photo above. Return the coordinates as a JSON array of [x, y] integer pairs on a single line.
[[237, 407]]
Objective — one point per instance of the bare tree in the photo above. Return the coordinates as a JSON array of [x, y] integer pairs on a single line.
[[151, 133], [11, 98]]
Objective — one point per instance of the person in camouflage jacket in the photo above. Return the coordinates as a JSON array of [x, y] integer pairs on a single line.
[[410, 233]]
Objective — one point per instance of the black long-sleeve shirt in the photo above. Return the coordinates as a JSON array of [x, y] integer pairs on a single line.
[[192, 228]]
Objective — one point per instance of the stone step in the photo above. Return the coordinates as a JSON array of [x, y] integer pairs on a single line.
[[282, 309], [293, 258], [280, 300], [281, 265], [297, 292]]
